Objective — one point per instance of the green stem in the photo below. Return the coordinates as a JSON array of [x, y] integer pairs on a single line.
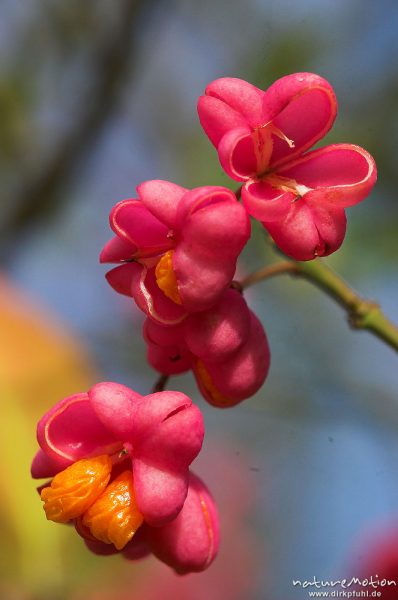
[[267, 273], [362, 314]]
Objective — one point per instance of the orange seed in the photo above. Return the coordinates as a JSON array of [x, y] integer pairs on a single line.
[[206, 381], [73, 490], [114, 517], [166, 278]]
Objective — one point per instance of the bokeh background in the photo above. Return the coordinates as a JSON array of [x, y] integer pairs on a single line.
[[96, 97]]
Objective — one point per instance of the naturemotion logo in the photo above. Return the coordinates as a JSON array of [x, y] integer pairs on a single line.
[[345, 588]]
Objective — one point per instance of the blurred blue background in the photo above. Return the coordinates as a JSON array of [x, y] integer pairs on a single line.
[[96, 97]]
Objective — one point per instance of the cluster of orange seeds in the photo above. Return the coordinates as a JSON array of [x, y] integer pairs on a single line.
[[82, 492]]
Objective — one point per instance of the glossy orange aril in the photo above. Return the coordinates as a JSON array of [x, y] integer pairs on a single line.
[[75, 489], [114, 517], [166, 278]]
